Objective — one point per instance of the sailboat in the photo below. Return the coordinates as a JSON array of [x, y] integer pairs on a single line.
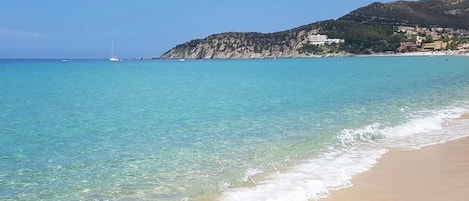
[[113, 58]]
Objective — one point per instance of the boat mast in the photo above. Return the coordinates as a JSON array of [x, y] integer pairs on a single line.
[[112, 49]]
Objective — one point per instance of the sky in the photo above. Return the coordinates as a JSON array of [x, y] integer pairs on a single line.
[[83, 29]]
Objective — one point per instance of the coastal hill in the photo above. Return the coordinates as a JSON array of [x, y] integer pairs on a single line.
[[244, 45], [427, 13], [369, 29]]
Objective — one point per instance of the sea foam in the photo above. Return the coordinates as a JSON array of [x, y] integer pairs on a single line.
[[358, 151], [311, 180]]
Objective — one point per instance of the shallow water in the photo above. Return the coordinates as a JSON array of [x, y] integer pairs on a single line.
[[167, 130]]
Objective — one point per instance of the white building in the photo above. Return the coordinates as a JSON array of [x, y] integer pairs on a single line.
[[319, 39]]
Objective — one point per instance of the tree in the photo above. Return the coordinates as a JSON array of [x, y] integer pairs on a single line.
[[452, 45], [308, 48], [429, 39]]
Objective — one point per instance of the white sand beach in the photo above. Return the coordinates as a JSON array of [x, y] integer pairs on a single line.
[[434, 173]]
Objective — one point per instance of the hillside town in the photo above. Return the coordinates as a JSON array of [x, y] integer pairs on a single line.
[[415, 40], [422, 39]]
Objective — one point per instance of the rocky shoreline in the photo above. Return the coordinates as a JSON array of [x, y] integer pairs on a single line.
[[408, 54]]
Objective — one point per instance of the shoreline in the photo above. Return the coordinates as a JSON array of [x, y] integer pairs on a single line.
[[337, 55], [312, 181], [437, 172]]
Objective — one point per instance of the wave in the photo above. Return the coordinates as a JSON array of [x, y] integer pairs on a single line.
[[419, 127], [311, 180], [359, 149]]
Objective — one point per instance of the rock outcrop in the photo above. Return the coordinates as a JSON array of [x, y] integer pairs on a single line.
[[245, 45]]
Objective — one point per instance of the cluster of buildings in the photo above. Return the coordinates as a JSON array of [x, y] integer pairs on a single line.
[[433, 39], [417, 39], [436, 33]]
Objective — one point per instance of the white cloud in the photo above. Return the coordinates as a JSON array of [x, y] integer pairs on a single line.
[[15, 34]]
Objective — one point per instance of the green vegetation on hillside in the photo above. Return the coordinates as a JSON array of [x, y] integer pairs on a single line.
[[319, 49], [362, 38], [427, 13], [359, 38]]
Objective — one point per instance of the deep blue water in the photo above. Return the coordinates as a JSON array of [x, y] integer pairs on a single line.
[[168, 130]]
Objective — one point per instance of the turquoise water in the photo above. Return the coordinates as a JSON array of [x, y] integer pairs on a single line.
[[229, 130]]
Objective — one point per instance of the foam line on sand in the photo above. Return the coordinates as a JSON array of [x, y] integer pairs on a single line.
[[434, 173]]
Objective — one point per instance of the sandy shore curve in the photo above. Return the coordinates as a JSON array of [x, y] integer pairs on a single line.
[[435, 173]]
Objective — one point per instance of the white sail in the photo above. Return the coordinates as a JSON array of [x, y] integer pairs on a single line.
[[113, 58]]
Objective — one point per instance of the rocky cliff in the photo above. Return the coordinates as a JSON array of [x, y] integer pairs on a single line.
[[245, 45]]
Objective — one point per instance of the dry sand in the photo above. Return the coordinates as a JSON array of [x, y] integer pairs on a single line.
[[434, 173], [464, 116]]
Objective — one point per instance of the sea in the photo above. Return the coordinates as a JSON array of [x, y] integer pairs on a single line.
[[228, 130]]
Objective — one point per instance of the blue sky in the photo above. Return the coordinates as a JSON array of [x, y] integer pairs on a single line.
[[144, 28]]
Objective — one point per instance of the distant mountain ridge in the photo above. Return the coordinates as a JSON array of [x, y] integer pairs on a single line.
[[440, 13], [365, 30]]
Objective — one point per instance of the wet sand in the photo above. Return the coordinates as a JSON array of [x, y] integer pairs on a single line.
[[435, 173]]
